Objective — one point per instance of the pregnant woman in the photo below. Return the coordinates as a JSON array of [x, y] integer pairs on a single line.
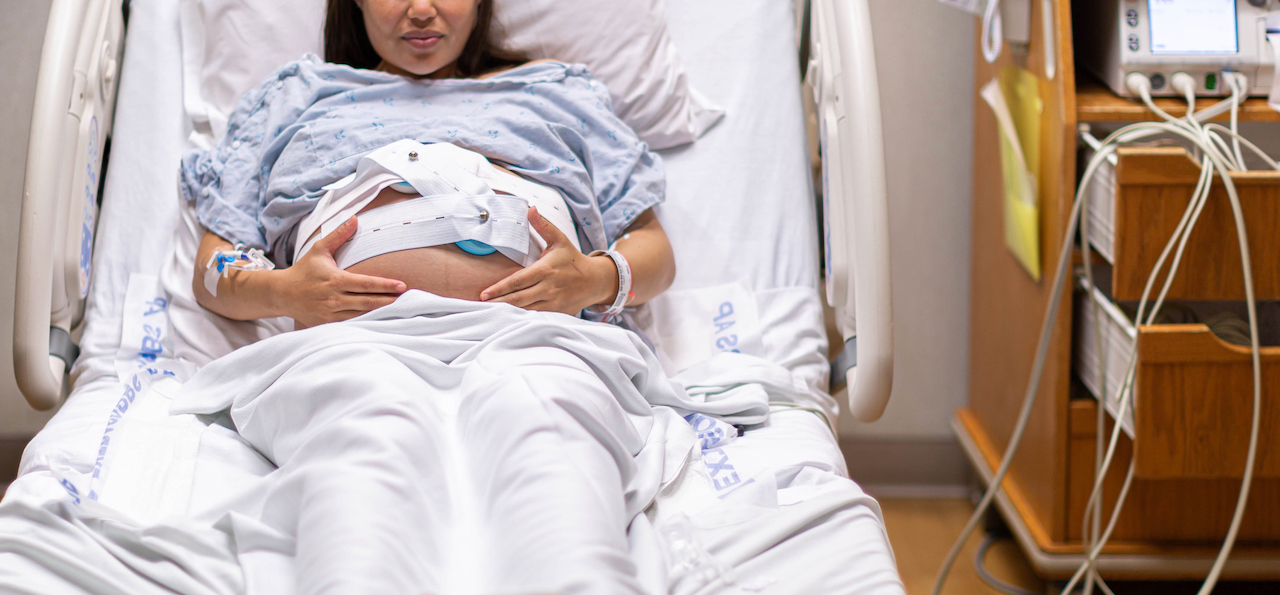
[[438, 445], [425, 70]]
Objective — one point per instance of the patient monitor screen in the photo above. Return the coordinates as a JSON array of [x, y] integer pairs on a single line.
[[1193, 26]]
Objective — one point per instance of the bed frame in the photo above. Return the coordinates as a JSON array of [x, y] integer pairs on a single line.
[[74, 104], [79, 65]]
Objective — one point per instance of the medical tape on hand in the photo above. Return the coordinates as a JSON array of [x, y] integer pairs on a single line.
[[222, 262], [495, 219], [624, 284]]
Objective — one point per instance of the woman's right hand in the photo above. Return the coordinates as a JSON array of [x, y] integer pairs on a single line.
[[314, 290]]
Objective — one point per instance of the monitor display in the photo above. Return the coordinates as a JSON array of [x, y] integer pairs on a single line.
[[1193, 26]]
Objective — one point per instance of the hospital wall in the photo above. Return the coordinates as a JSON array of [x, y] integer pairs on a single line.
[[21, 34], [924, 57]]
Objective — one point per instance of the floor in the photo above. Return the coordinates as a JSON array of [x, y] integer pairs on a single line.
[[922, 531]]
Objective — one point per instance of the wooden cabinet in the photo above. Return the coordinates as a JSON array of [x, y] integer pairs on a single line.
[[1194, 391]]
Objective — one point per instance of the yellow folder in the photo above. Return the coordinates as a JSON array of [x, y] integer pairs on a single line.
[[1014, 97]]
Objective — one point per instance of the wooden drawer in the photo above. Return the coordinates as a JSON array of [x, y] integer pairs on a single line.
[[1195, 405], [1195, 511], [1150, 188], [1194, 394]]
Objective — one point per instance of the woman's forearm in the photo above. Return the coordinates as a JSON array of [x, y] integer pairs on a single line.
[[242, 295], [648, 253], [313, 291]]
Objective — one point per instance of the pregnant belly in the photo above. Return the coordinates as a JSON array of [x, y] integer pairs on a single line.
[[444, 270]]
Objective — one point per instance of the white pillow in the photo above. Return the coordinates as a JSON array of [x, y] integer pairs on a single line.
[[625, 44], [229, 46]]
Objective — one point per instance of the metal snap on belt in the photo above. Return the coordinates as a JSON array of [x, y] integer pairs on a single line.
[[484, 216], [413, 155]]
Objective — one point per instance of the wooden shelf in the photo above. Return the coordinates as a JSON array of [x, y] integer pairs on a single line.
[[1096, 103]]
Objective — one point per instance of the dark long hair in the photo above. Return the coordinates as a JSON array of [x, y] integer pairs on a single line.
[[347, 42]]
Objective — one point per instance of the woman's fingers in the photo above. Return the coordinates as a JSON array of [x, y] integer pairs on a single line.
[[540, 299], [337, 237], [523, 298], [516, 281], [549, 232], [350, 306], [366, 302], [356, 283]]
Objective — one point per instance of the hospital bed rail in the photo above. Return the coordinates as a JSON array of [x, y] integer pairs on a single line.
[[78, 70], [70, 122], [841, 70]]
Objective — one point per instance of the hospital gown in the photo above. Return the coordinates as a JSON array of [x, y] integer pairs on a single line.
[[309, 124]]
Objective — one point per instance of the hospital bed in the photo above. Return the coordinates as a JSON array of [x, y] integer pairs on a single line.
[[740, 214]]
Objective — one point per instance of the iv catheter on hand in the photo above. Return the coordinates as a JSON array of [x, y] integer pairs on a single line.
[[222, 262]]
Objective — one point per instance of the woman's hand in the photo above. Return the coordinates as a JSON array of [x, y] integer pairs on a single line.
[[314, 290], [562, 280]]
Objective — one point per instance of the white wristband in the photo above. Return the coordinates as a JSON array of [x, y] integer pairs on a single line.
[[624, 283]]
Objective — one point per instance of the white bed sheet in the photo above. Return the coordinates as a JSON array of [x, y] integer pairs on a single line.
[[739, 196], [740, 204]]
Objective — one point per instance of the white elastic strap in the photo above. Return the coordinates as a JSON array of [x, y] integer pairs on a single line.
[[624, 283], [498, 220], [430, 169]]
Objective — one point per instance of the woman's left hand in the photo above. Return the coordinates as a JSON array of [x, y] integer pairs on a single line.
[[563, 279]]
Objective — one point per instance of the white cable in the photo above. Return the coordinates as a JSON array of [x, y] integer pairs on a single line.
[[1237, 89], [1219, 161], [1191, 131], [992, 32], [1134, 132], [1086, 535], [1037, 367], [1247, 144], [1125, 389], [1228, 543], [1127, 385], [1102, 462]]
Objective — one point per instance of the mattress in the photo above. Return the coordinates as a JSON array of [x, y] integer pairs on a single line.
[[741, 219]]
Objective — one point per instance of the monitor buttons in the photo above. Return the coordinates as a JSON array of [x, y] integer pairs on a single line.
[[1133, 43]]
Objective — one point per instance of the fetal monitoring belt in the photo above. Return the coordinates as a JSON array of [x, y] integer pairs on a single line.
[[460, 204], [494, 220]]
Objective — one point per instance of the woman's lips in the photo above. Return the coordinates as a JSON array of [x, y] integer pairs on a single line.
[[423, 42]]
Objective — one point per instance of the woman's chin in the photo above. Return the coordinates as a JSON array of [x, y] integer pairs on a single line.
[[418, 69]]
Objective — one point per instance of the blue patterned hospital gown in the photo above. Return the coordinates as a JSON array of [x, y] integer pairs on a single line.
[[309, 124]]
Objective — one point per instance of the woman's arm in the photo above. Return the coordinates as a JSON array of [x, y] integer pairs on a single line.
[[648, 252], [313, 291], [566, 280]]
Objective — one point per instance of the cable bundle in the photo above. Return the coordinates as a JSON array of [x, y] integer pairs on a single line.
[[1216, 156]]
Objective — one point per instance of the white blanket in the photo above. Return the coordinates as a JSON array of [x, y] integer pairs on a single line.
[[443, 445], [434, 445], [447, 446]]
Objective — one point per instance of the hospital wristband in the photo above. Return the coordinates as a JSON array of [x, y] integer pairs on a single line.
[[624, 283]]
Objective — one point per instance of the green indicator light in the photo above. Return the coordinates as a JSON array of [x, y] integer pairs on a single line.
[[1211, 81]]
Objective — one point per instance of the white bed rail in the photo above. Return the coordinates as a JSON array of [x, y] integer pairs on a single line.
[[74, 103], [842, 72]]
